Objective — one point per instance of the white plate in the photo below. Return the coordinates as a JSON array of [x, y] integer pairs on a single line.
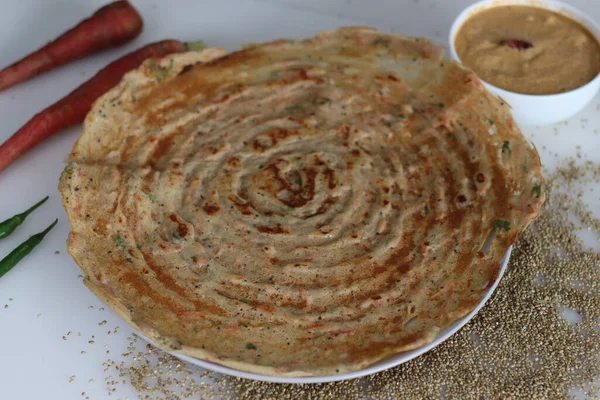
[[382, 365]]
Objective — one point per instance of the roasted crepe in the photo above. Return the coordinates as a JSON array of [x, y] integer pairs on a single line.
[[298, 208]]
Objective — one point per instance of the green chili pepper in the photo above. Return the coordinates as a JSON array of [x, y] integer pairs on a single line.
[[8, 262], [7, 227]]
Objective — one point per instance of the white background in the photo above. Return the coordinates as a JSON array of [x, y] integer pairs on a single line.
[[48, 298]]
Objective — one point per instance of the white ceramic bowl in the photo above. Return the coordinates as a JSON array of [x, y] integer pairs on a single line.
[[537, 109], [382, 365]]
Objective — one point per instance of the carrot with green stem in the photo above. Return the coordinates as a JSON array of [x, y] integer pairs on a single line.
[[72, 109], [110, 26]]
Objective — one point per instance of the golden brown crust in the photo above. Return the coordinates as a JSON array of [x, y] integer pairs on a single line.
[[298, 208]]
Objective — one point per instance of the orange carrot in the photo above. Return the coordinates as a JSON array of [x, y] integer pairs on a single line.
[[72, 109], [110, 26]]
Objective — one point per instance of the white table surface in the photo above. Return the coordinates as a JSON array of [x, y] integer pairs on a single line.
[[44, 296]]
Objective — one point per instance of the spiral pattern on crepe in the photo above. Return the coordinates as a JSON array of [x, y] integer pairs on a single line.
[[298, 207]]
